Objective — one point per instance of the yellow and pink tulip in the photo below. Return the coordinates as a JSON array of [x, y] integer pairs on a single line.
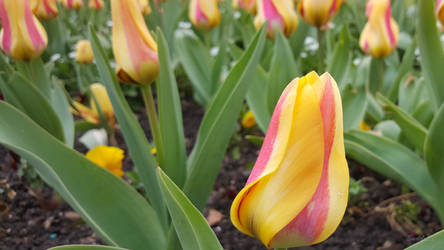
[[22, 36], [297, 192], [320, 12], [73, 4], [96, 4], [44, 9], [134, 48], [204, 14], [380, 35], [280, 15]]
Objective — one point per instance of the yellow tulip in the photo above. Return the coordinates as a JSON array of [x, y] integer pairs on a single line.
[[380, 35], [134, 49], [73, 4], [248, 5], [44, 9], [280, 15], [22, 36], [145, 7], [439, 11], [204, 14], [109, 158], [248, 120], [297, 192], [84, 53], [96, 4], [91, 114], [318, 12]]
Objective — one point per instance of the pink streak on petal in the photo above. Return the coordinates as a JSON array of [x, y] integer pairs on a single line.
[[271, 14], [7, 32], [48, 8], [270, 138], [388, 25], [437, 4], [200, 15], [34, 34], [310, 222], [366, 46], [333, 8]]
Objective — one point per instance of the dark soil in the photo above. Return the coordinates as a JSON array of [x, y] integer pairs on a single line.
[[31, 218]]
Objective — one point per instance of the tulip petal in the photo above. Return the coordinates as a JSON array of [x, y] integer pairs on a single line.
[[280, 14], [204, 14]]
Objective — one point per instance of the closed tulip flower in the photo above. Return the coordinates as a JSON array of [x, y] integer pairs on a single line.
[[95, 4], [280, 15], [248, 5], [318, 12], [439, 11], [44, 9], [84, 53], [380, 35], [109, 158], [73, 4], [22, 36], [204, 14], [297, 192], [134, 49]]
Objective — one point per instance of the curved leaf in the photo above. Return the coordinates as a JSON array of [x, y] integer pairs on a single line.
[[86, 247], [354, 104], [434, 242], [434, 147]]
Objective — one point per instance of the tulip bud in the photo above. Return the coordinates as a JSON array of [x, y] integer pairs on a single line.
[[248, 120], [44, 9], [73, 4], [22, 36], [145, 7], [439, 11], [96, 4], [380, 35], [280, 15], [248, 5], [84, 53], [297, 192], [109, 158], [204, 14], [134, 49], [318, 12]]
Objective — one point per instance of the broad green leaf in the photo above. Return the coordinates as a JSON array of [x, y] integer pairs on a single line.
[[86, 247], [432, 53], [424, 113], [340, 60], [395, 161], [196, 61], [389, 129], [434, 147], [61, 106], [35, 105], [434, 242], [256, 99], [411, 93], [354, 104], [282, 70], [218, 125], [170, 117], [192, 229], [120, 215], [406, 65], [411, 128], [133, 134], [374, 110]]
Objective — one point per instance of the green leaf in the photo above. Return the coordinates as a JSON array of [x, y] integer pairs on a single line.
[[170, 117], [434, 147], [61, 106], [36, 73], [196, 61], [395, 161], [282, 70], [109, 205], [256, 99], [411, 93], [217, 67], [411, 128], [340, 60], [219, 123], [432, 53], [297, 39], [192, 229], [35, 105], [424, 113], [389, 129], [406, 65], [133, 134], [374, 110], [434, 242], [354, 104], [86, 247]]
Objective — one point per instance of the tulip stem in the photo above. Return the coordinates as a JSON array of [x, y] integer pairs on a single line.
[[151, 111], [321, 53]]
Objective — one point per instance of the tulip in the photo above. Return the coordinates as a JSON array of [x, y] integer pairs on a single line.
[[96, 4], [22, 37], [84, 53], [280, 15], [380, 35], [439, 11], [134, 49], [318, 12], [44, 9], [73, 4], [109, 158], [248, 120], [297, 192], [248, 5], [145, 7], [204, 14], [91, 114]]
